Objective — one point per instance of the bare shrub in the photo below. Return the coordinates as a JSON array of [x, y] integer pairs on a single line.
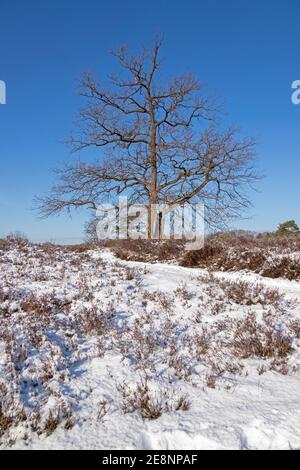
[[270, 256], [181, 366], [164, 301], [219, 362], [280, 365], [93, 321], [146, 250], [285, 267], [51, 423], [38, 307], [5, 421], [210, 381], [252, 339], [130, 273], [103, 409], [158, 297], [294, 326], [18, 239], [80, 248], [200, 258], [11, 413], [69, 424], [140, 342], [183, 292], [201, 342], [89, 305], [151, 405]]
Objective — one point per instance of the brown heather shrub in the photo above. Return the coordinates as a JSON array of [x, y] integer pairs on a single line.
[[149, 404], [228, 253], [103, 409], [146, 250], [4, 244], [210, 381], [93, 321], [16, 415], [35, 306], [252, 339], [130, 273], [183, 293], [5, 422], [69, 424], [80, 248], [220, 363], [282, 267], [201, 342], [17, 239], [294, 326], [244, 293], [202, 258], [181, 366], [270, 256], [5, 294], [51, 423]]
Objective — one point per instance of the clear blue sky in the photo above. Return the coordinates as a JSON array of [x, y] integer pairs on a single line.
[[246, 51]]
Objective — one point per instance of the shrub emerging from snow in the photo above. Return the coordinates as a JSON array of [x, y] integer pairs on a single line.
[[269, 256], [151, 404], [252, 339], [245, 293]]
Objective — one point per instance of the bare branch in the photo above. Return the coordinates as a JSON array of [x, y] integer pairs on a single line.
[[161, 143]]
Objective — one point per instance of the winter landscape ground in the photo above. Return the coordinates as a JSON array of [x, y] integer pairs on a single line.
[[102, 353], [149, 237]]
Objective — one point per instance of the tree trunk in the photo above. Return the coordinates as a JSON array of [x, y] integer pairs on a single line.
[[153, 199]]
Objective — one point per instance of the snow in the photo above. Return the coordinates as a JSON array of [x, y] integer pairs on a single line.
[[246, 409]]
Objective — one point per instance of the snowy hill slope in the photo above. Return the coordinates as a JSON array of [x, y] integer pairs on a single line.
[[102, 354]]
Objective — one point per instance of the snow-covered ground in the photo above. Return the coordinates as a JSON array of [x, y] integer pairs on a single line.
[[97, 353]]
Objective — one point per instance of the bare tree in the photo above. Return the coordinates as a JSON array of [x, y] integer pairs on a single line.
[[162, 145]]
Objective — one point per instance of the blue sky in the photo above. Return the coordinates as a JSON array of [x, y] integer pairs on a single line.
[[246, 52]]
